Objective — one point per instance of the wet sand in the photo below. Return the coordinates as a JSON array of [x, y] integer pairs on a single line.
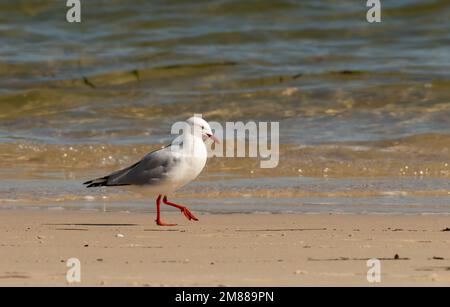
[[230, 250]]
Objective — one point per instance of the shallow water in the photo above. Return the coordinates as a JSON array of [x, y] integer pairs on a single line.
[[364, 109]]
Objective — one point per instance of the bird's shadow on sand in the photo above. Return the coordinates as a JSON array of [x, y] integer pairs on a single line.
[[91, 224], [104, 225]]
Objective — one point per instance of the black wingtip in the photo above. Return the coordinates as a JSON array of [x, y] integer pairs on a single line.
[[102, 182], [96, 182], [99, 184]]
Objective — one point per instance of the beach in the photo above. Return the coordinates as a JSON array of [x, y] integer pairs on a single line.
[[128, 249]]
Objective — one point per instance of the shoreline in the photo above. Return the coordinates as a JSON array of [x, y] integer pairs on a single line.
[[117, 248], [75, 208]]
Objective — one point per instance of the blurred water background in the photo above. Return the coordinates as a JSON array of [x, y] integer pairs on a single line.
[[364, 109]]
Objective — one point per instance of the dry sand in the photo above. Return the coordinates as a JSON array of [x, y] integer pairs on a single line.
[[229, 250]]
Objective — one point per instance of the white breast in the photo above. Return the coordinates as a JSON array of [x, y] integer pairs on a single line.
[[193, 156]]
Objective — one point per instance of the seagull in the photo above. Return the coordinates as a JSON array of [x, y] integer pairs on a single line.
[[164, 171]]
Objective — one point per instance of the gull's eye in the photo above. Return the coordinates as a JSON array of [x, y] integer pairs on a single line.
[[203, 128]]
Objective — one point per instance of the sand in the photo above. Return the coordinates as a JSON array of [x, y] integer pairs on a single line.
[[222, 250]]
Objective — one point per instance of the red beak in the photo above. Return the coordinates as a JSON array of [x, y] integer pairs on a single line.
[[213, 137]]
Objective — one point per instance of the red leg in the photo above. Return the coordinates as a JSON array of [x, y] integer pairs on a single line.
[[187, 213], [158, 213]]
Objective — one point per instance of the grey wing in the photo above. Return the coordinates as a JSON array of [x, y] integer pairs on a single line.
[[152, 169]]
